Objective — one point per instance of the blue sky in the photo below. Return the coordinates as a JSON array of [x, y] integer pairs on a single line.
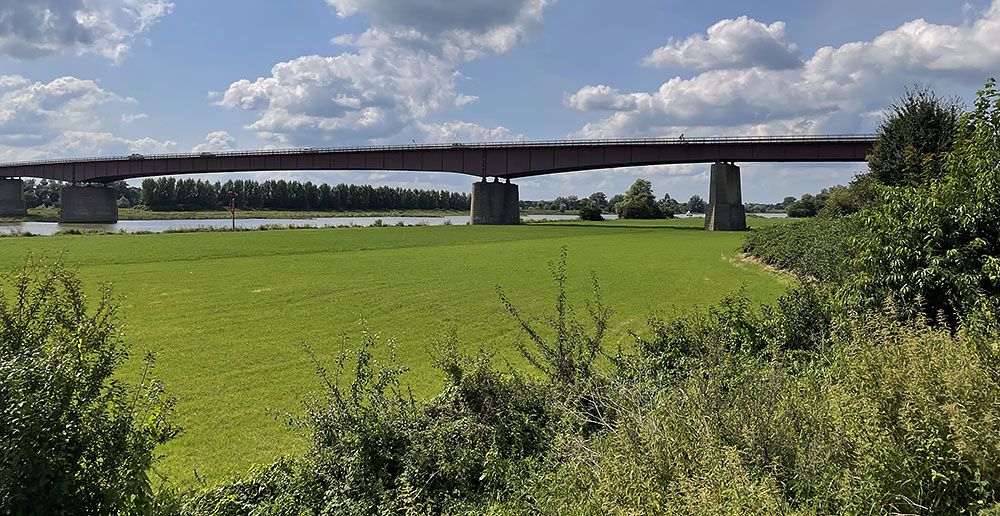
[[98, 77]]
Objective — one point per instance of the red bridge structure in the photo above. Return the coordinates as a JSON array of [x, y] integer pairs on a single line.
[[85, 199]]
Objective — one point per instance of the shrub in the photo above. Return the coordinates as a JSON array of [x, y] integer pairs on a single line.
[[935, 249], [816, 248], [639, 202], [590, 211], [914, 138], [72, 438], [883, 418]]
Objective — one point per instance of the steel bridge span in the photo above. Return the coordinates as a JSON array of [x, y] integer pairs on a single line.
[[493, 202]]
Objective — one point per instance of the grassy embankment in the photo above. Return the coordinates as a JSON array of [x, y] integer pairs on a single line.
[[227, 313]]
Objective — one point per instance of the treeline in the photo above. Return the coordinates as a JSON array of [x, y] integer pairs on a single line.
[[667, 206], [46, 194], [172, 194]]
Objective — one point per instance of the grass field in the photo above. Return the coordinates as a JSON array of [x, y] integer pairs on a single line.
[[227, 313]]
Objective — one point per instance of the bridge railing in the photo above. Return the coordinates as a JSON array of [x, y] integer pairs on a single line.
[[830, 138]]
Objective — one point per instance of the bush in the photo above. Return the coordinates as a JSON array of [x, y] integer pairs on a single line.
[[639, 202], [817, 248], [914, 138], [590, 211], [72, 438], [935, 249], [883, 418]]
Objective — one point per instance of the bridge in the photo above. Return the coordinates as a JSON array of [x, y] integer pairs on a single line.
[[84, 199]]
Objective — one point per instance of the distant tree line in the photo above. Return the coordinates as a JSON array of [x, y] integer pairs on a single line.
[[638, 202], [168, 193], [172, 194], [45, 194]]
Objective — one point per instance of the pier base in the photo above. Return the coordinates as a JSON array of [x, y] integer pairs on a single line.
[[88, 205], [12, 198], [725, 203], [495, 204]]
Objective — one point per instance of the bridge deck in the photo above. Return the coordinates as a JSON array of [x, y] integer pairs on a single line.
[[500, 159]]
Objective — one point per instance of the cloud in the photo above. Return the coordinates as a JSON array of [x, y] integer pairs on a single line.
[[464, 132], [375, 93], [129, 118], [396, 74], [468, 27], [739, 43], [216, 141], [42, 120], [836, 90], [35, 28], [600, 98]]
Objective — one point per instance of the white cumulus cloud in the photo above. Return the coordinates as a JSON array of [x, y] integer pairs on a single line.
[[835, 90], [738, 43], [395, 75], [62, 118], [36, 28], [216, 141]]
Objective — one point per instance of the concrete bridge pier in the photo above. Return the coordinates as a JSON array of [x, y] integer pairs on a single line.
[[88, 204], [495, 203], [725, 200], [12, 198]]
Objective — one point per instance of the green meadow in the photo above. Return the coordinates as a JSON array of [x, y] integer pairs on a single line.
[[227, 315]]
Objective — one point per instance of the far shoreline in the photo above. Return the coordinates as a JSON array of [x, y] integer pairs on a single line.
[[52, 214]]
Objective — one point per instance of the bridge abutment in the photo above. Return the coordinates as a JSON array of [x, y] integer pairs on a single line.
[[12, 198], [495, 204], [88, 205], [725, 200]]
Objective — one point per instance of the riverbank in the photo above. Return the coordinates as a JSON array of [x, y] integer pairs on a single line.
[[52, 214]]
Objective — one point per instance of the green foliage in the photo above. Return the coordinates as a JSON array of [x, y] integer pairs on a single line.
[[695, 205], [935, 248], [168, 193], [817, 248], [568, 357], [72, 438], [914, 138], [591, 211], [376, 451], [884, 418], [639, 202], [847, 200], [669, 207]]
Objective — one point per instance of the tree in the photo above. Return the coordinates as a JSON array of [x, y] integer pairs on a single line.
[[696, 204], [600, 200], [845, 200], [669, 207], [913, 139], [803, 208], [73, 438], [933, 249], [590, 211], [639, 202]]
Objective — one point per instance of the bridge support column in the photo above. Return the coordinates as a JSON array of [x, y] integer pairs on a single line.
[[12, 198], [725, 200], [88, 205], [495, 204]]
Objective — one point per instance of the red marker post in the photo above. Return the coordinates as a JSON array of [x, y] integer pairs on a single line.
[[232, 207]]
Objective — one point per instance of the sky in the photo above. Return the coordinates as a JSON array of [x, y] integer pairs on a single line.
[[110, 77]]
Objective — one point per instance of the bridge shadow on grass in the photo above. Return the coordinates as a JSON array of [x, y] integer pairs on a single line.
[[618, 226]]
